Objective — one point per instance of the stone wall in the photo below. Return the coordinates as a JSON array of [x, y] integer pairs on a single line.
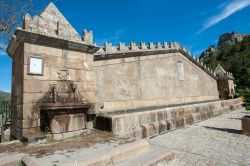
[[30, 91], [147, 123], [141, 81], [67, 68], [124, 77], [17, 91], [36, 89]]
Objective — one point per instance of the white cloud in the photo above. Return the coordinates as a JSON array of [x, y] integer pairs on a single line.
[[227, 11]]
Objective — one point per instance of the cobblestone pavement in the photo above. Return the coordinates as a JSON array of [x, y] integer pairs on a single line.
[[216, 141]]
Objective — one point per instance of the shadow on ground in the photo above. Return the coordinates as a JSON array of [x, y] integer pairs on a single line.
[[246, 112], [81, 141], [233, 131], [235, 118]]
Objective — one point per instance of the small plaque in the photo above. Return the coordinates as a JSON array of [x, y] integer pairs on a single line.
[[180, 70], [35, 65]]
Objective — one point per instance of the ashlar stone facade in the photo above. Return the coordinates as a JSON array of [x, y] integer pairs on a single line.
[[67, 62], [225, 82], [64, 79]]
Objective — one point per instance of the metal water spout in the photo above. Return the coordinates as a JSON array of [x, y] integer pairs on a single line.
[[54, 92], [73, 86]]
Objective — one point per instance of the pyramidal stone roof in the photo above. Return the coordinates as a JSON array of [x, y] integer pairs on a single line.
[[219, 69], [52, 23]]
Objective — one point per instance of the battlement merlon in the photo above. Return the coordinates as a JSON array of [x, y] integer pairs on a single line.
[[52, 26], [108, 51]]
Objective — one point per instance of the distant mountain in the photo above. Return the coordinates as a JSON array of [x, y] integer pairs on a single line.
[[5, 96]]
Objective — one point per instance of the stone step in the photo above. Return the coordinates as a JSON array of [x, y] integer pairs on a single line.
[[156, 155], [107, 155]]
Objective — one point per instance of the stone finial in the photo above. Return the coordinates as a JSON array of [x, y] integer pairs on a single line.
[[151, 45], [176, 45], [201, 62], [133, 46], [26, 20], [158, 45], [87, 36], [109, 48], [165, 45], [193, 56], [35, 19], [122, 47], [100, 51], [171, 45], [184, 49], [143, 46]]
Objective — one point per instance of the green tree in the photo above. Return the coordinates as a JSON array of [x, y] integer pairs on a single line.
[[234, 58]]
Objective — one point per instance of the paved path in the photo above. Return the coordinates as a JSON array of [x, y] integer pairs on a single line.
[[216, 141]]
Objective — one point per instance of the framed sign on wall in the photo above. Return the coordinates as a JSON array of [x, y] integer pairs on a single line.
[[35, 65], [180, 68]]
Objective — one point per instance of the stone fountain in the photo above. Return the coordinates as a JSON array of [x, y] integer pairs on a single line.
[[64, 114]]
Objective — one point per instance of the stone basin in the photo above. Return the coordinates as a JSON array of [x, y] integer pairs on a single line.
[[61, 118], [60, 106]]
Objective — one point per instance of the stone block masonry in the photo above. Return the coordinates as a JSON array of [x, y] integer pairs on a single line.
[[152, 122], [58, 71], [142, 78], [65, 78]]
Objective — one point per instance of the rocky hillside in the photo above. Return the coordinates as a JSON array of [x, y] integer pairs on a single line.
[[235, 58]]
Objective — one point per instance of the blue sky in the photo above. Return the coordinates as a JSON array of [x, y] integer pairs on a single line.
[[193, 23]]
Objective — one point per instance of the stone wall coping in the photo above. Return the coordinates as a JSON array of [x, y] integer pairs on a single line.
[[110, 116], [111, 52], [21, 36]]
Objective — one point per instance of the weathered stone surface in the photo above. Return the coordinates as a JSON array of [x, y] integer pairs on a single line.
[[172, 117], [88, 86], [89, 76], [1, 123], [63, 67], [39, 49], [124, 78], [52, 23], [129, 81], [67, 122], [88, 96], [87, 36], [225, 82]]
